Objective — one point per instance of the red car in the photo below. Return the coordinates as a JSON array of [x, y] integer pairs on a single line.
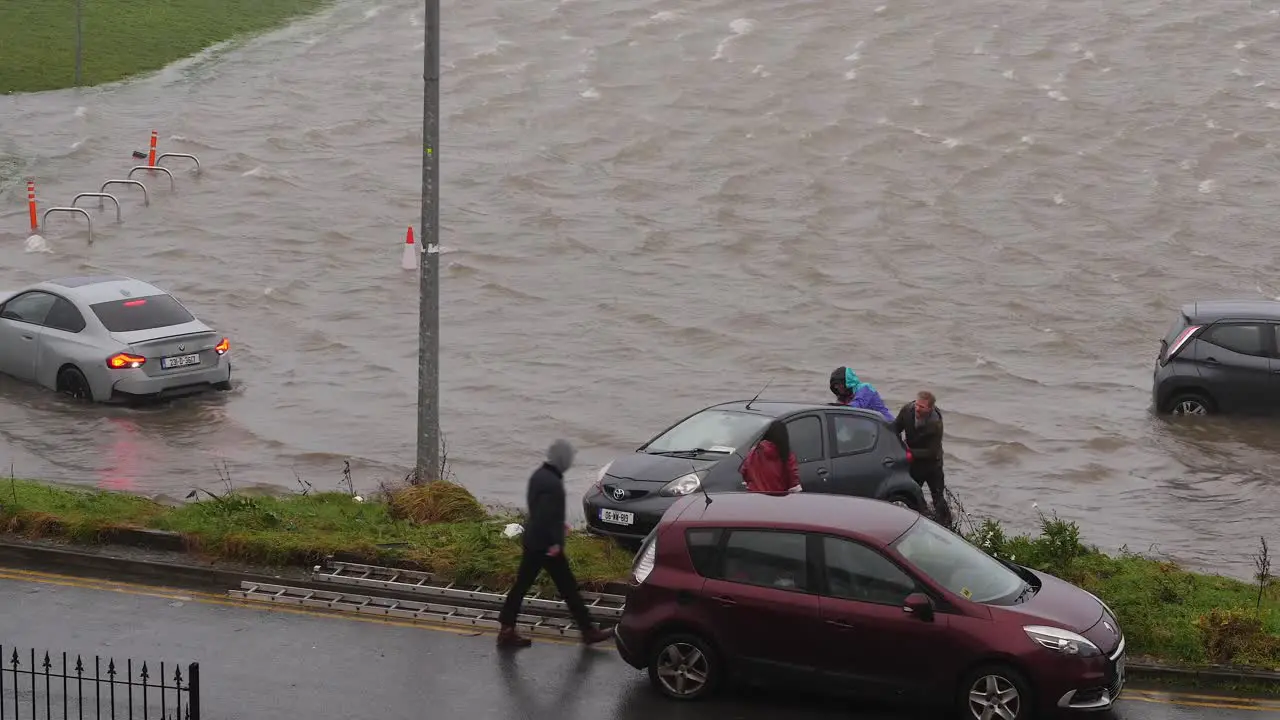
[[837, 593]]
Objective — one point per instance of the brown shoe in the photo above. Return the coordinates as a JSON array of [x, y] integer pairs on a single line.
[[595, 635], [509, 638]]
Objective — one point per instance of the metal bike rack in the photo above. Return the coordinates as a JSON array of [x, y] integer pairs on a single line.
[[44, 221], [102, 195], [172, 186], [189, 156], [146, 196]]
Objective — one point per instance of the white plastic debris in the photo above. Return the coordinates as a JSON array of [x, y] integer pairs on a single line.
[[512, 530], [357, 498]]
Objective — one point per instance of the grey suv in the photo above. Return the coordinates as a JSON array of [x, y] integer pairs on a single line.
[[1220, 356]]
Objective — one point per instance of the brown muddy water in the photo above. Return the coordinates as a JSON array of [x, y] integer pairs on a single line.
[[650, 207]]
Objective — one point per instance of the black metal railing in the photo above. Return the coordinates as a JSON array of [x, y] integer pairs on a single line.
[[36, 686]]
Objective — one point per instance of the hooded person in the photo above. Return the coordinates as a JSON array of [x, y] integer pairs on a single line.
[[543, 540], [851, 391], [771, 466]]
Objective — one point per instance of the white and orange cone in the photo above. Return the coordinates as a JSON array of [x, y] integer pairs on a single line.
[[409, 261]]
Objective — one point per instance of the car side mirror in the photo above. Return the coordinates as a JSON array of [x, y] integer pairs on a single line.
[[920, 605]]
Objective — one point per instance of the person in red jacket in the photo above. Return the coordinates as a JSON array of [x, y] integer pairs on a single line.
[[771, 466]]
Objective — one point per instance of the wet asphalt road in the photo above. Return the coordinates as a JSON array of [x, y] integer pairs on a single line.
[[259, 662]]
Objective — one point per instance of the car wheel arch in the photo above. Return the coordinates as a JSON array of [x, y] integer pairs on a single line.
[[57, 378], [683, 627], [993, 659], [900, 485]]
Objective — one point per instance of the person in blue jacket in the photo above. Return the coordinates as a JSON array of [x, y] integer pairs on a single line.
[[851, 391]]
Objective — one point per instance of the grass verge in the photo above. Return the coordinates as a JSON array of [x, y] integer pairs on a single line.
[[439, 527], [1169, 615], [122, 38]]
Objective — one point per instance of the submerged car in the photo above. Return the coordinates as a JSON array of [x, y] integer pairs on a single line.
[[839, 449], [109, 338], [850, 595], [1220, 357]]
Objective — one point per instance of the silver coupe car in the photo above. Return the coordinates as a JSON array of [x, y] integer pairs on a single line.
[[108, 338]]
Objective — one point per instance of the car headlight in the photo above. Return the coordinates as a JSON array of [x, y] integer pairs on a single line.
[[1061, 641], [682, 485], [600, 477]]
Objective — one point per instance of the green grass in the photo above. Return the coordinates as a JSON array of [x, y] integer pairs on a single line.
[[122, 38], [430, 526], [1168, 614]]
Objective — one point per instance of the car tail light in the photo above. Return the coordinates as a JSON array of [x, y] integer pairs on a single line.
[[645, 561], [223, 347], [1180, 342], [125, 361], [909, 456]]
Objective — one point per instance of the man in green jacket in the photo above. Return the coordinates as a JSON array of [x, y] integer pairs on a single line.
[[920, 424]]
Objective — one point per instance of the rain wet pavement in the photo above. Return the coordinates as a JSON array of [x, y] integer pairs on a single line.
[[647, 208], [258, 662]]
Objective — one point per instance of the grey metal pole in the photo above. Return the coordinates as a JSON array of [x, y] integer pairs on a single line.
[[428, 467], [79, 42]]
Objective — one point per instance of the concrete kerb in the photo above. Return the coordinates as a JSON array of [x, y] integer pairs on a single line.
[[99, 562]]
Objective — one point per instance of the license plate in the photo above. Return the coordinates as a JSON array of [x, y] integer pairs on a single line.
[[180, 361], [617, 517]]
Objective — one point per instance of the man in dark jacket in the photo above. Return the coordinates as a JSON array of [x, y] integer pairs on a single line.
[[544, 535], [920, 422]]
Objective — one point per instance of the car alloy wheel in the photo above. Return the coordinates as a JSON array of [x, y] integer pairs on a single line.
[[75, 385], [1190, 406], [993, 697], [683, 670]]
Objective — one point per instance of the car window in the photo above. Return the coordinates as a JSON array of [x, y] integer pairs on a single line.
[[856, 572], [767, 558], [64, 316], [853, 434], [144, 313], [724, 431], [1246, 339], [704, 545], [30, 307], [958, 565], [806, 438]]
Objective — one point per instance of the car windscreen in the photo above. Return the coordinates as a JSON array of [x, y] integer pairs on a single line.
[[957, 565], [144, 313], [716, 430]]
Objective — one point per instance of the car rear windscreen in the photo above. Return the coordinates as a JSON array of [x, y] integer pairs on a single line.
[[144, 313]]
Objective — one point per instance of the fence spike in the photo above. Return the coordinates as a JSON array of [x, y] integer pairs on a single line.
[[47, 663], [143, 674], [111, 668], [79, 666], [15, 661], [177, 676]]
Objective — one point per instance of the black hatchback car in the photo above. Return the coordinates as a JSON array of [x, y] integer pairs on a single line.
[[1220, 357], [839, 449]]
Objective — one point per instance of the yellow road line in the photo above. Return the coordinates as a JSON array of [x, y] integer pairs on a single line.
[[1219, 702], [223, 600]]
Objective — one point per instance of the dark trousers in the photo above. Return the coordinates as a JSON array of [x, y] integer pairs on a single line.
[[534, 562], [936, 479]]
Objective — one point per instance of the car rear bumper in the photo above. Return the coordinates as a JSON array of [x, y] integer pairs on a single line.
[[137, 384], [646, 514], [625, 650]]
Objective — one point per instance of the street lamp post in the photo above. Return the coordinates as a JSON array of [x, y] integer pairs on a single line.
[[428, 465]]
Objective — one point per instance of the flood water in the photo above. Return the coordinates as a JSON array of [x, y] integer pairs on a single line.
[[650, 207]]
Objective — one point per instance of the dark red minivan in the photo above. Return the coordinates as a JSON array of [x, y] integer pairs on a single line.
[[834, 593]]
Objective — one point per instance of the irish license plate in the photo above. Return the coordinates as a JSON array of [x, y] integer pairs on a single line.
[[617, 517], [178, 361]]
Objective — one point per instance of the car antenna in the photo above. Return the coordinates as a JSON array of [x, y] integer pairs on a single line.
[[757, 397], [701, 485]]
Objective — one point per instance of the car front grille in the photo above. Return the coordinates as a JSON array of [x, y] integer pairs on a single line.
[[610, 491]]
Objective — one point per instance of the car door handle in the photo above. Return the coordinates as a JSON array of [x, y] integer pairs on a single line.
[[840, 624], [822, 472], [889, 462], [28, 337], [725, 600], [1211, 361]]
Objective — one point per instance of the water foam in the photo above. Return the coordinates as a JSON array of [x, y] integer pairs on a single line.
[[37, 244], [738, 28]]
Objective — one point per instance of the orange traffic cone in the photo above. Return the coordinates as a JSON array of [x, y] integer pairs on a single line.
[[409, 261]]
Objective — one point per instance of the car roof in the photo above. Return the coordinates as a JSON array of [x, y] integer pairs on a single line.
[[92, 289], [782, 408], [1206, 311], [812, 512]]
